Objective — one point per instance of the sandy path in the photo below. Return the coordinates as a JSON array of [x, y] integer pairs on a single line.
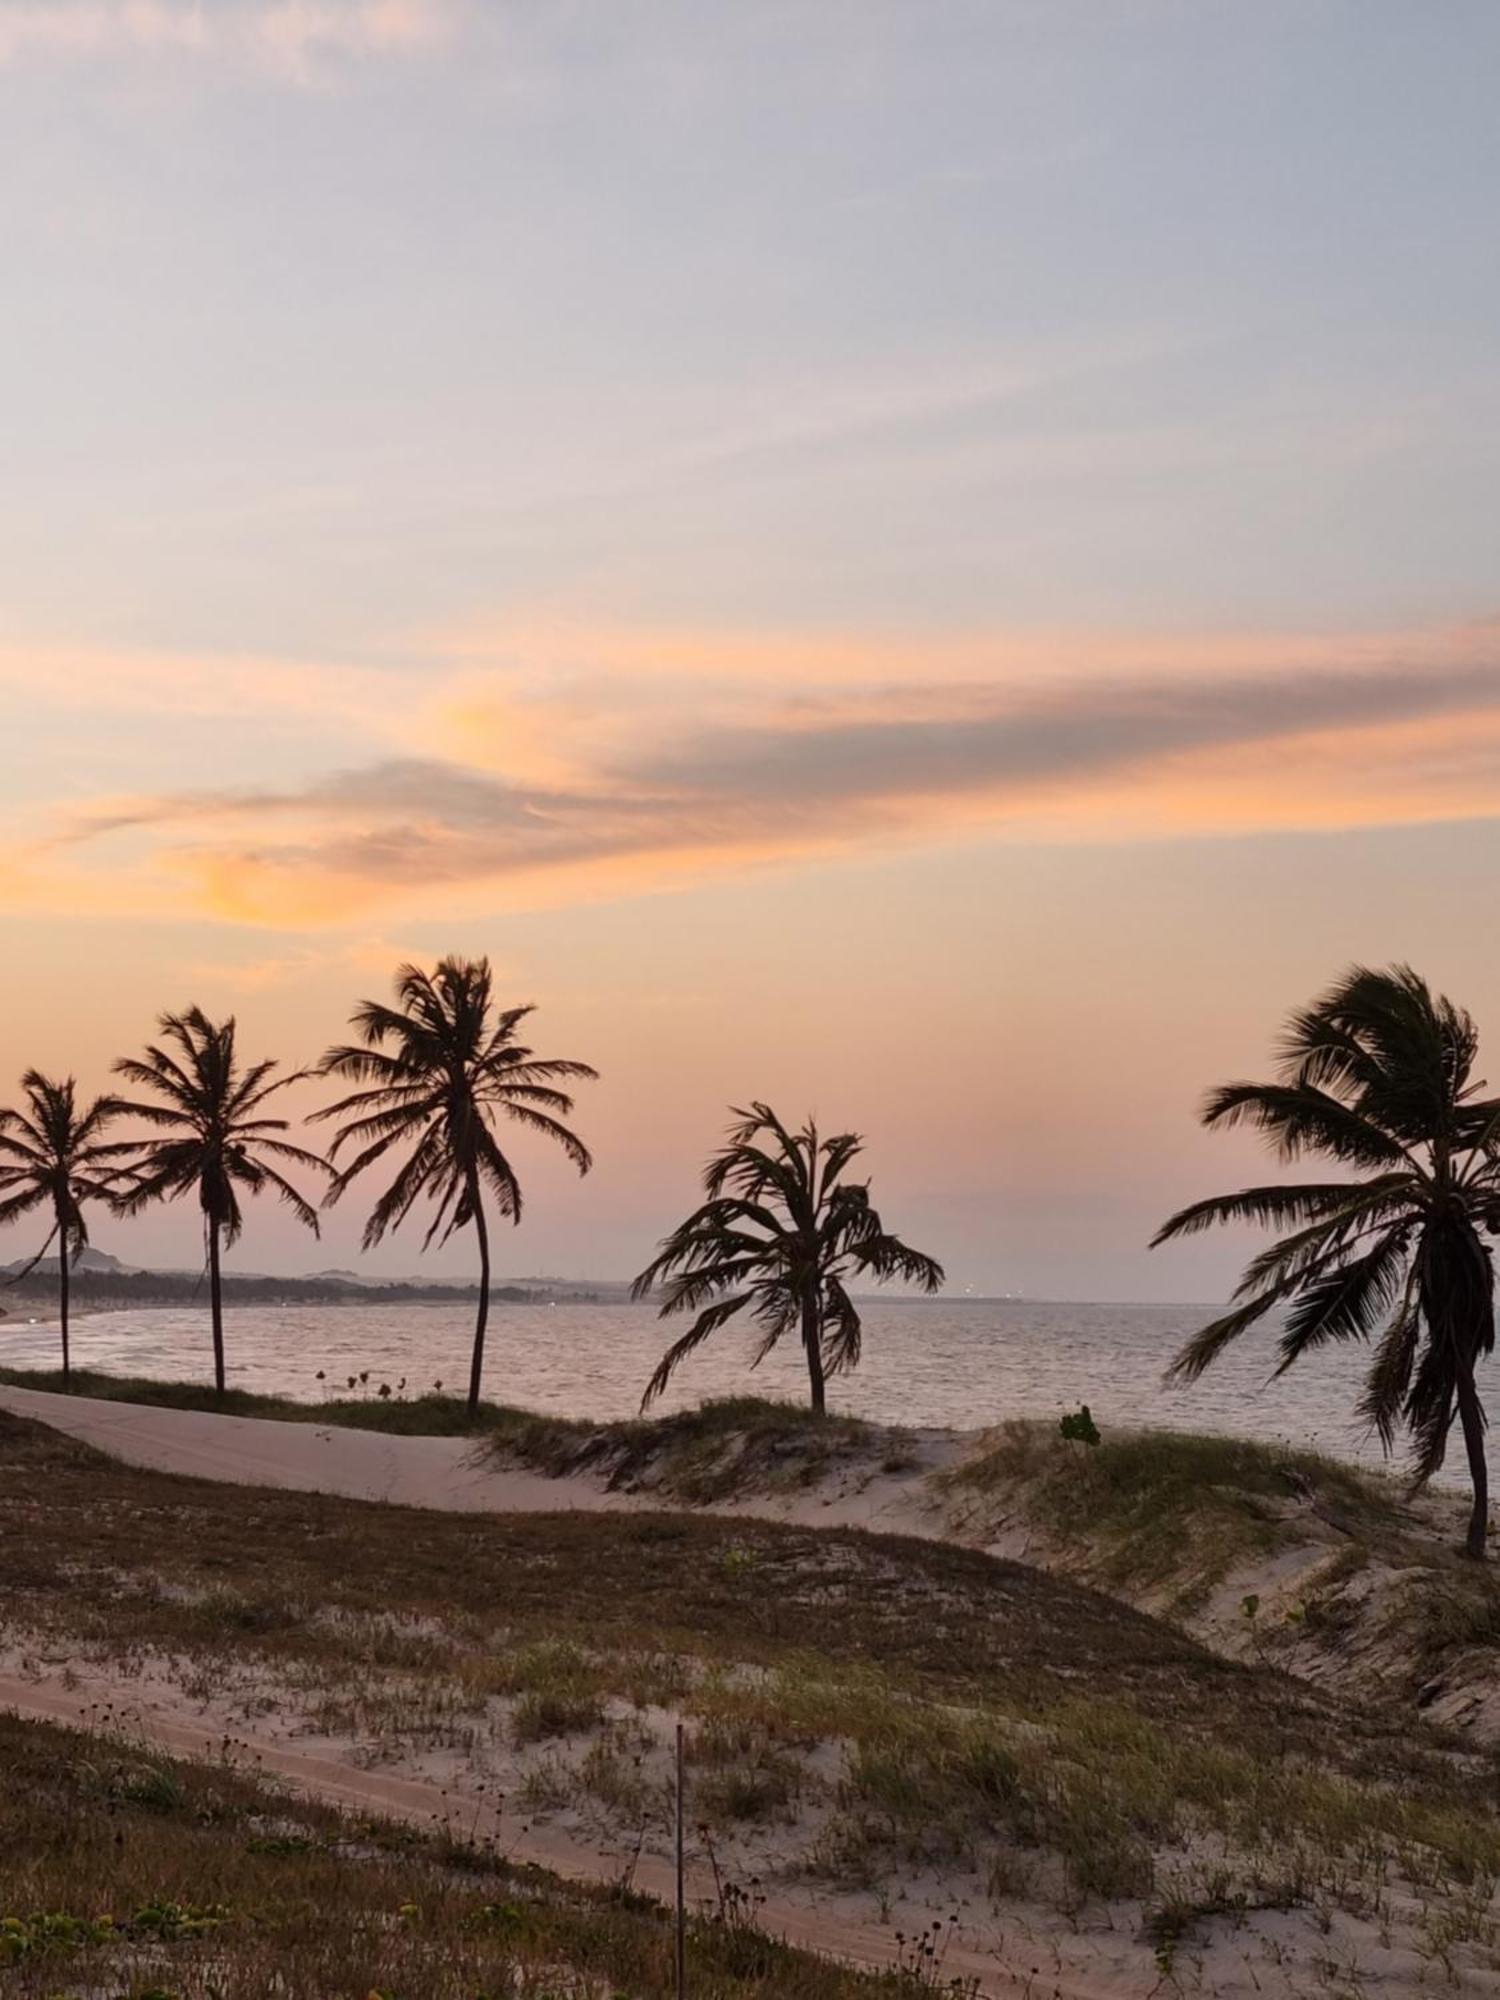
[[450, 1474], [800, 1921], [440, 1472]]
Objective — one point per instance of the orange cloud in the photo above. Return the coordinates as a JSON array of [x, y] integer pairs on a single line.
[[599, 765]]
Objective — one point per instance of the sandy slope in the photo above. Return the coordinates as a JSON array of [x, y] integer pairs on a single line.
[[816, 1924], [1035, 1954]]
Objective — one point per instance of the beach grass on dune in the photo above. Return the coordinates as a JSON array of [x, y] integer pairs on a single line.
[[1174, 1510], [123, 1871], [699, 1456]]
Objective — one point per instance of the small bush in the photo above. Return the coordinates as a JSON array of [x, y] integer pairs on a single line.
[[1078, 1427], [538, 1716]]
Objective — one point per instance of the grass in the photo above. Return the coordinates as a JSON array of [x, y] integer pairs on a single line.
[[1450, 1612], [204, 1881], [1168, 1511], [723, 1448], [144, 1556], [743, 1771], [430, 1414]]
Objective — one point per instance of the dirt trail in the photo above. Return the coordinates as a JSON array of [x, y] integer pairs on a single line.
[[800, 1921]]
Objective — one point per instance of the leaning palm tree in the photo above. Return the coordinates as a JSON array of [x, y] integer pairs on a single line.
[[1375, 1077], [216, 1140], [781, 1232], [440, 1069], [52, 1157]]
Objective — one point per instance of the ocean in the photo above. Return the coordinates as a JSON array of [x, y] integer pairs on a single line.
[[963, 1363]]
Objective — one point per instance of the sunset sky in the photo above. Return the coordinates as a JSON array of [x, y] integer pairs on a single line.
[[933, 561]]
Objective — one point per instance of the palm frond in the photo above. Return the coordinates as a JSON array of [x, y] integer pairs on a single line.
[[1271, 1207], [1208, 1344], [1347, 1302], [1300, 1118], [707, 1323], [1383, 1399]]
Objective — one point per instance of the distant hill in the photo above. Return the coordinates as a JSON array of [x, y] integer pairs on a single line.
[[96, 1261], [530, 1287], [102, 1279]]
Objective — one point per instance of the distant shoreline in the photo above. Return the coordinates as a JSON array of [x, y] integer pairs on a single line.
[[95, 1292]]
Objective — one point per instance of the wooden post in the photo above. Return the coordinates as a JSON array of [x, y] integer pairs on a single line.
[[681, 1883]]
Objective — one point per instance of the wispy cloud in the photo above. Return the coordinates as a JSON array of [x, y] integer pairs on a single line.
[[584, 784], [372, 955], [291, 37]]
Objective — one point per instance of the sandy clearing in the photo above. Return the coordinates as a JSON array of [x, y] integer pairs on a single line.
[[800, 1921]]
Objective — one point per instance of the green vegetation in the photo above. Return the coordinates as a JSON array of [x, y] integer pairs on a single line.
[[781, 1234], [454, 1069], [428, 1415], [725, 1448], [1169, 1510], [1377, 1077], [235, 1890]]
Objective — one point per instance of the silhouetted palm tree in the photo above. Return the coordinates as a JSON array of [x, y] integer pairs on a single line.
[[781, 1233], [216, 1141], [1376, 1077], [52, 1157], [453, 1069]]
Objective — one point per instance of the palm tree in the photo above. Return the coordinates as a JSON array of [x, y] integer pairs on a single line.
[[1375, 1076], [780, 1232], [452, 1069], [216, 1140], [52, 1157]]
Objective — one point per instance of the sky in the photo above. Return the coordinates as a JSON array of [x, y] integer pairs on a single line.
[[929, 561]]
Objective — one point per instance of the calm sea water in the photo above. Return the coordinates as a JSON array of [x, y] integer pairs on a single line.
[[963, 1363]]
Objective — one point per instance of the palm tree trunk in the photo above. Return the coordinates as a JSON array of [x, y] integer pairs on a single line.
[[1471, 1417], [216, 1304], [812, 1343], [62, 1299], [476, 1368]]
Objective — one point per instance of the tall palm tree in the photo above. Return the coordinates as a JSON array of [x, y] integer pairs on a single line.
[[1374, 1076], [216, 1139], [440, 1069], [52, 1157], [780, 1232]]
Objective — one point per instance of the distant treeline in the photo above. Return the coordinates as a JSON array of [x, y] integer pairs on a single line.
[[165, 1288]]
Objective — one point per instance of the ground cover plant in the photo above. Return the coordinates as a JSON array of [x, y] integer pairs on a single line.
[[126, 1873], [363, 1401], [1169, 1509]]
